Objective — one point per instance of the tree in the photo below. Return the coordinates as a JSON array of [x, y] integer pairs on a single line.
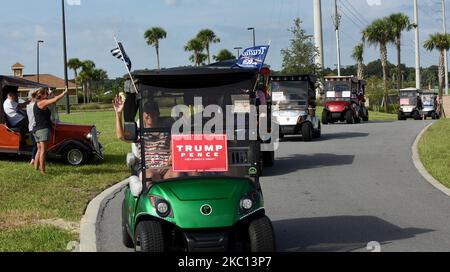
[[358, 55], [99, 76], [300, 56], [196, 47], [207, 36], [153, 36], [399, 22], [224, 55], [379, 33], [85, 77], [74, 64], [440, 42]]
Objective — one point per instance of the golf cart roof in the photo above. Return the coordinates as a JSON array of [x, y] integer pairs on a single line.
[[410, 90], [18, 82], [194, 77], [294, 77]]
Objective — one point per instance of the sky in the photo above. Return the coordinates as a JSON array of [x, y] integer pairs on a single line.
[[92, 24]]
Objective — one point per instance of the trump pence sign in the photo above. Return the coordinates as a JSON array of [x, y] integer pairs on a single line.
[[199, 153]]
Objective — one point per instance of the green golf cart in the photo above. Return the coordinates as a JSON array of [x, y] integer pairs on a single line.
[[199, 206]]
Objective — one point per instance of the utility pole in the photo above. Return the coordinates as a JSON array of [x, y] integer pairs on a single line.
[[337, 23], [37, 63], [66, 76], [238, 51], [254, 35], [318, 32], [416, 23], [444, 23]]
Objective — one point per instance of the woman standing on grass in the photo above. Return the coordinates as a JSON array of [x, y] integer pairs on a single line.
[[41, 131]]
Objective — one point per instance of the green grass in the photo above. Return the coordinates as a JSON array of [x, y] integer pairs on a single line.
[[434, 151], [35, 239], [27, 197]]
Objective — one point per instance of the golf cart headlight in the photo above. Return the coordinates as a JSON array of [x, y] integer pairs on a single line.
[[162, 207], [89, 136], [246, 204]]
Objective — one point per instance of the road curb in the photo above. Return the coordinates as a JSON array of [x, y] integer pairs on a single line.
[[419, 166], [88, 223]]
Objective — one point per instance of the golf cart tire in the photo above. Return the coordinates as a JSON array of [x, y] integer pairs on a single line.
[[261, 235], [75, 155], [268, 158], [400, 116], [434, 116], [150, 236], [307, 132], [126, 238], [416, 115], [349, 117], [325, 117]]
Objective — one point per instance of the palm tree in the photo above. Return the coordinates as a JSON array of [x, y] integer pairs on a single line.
[[196, 47], [74, 64], [99, 76], [224, 55], [398, 23], [379, 33], [207, 36], [85, 77], [358, 55], [440, 42], [153, 35]]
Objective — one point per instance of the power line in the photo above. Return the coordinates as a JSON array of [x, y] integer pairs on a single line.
[[350, 19], [355, 15]]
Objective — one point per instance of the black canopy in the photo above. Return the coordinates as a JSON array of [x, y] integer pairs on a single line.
[[8, 83], [193, 77]]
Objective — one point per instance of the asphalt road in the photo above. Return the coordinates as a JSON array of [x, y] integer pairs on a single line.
[[356, 185]]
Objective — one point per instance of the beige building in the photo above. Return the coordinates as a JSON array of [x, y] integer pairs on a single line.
[[55, 83]]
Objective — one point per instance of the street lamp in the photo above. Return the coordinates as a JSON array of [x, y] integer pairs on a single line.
[[254, 39], [238, 51], [37, 66], [66, 76]]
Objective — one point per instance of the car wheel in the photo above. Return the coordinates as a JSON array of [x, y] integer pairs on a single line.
[[126, 238], [75, 156], [150, 237], [349, 117], [325, 117], [261, 235], [307, 132]]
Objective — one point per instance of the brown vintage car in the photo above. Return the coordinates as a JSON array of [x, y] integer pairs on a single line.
[[75, 144]]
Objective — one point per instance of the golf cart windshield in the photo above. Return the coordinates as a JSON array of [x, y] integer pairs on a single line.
[[408, 98], [428, 100], [338, 90], [161, 156], [290, 95]]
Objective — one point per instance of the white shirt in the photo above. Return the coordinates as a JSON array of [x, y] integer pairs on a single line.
[[30, 114], [11, 111]]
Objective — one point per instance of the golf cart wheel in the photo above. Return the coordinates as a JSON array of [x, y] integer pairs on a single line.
[[325, 117], [400, 116], [75, 155], [150, 237], [126, 238], [307, 132], [349, 117], [434, 116], [268, 158], [261, 235], [366, 117]]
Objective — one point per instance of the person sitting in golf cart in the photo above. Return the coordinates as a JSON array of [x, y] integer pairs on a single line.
[[157, 145]]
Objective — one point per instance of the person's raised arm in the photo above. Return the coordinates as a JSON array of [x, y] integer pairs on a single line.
[[118, 104], [48, 102]]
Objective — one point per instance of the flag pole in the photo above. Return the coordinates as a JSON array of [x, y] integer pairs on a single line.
[[126, 66]]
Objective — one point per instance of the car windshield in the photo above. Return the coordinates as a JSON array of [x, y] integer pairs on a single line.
[[337, 90], [290, 95]]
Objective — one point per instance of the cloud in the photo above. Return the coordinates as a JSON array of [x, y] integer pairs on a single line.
[[374, 2], [39, 31], [171, 2]]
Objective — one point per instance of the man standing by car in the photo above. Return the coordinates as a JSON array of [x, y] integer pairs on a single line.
[[14, 116]]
